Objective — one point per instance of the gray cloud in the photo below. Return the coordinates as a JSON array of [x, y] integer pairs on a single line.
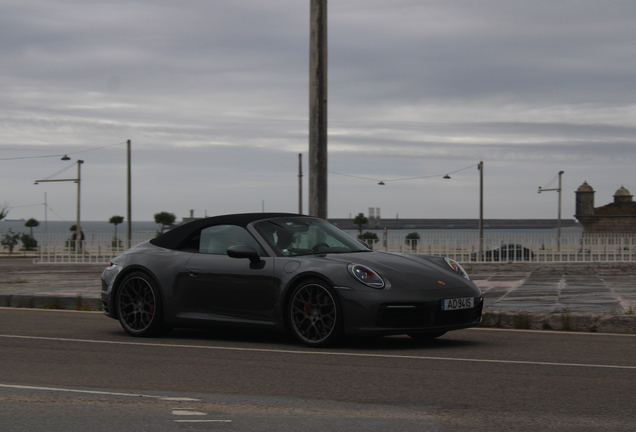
[[214, 96]]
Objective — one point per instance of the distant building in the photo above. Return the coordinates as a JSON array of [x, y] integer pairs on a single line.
[[616, 217]]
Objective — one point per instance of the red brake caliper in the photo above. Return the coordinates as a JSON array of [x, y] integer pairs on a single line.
[[306, 309]]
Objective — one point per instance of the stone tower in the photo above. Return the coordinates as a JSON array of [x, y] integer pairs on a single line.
[[622, 196], [616, 217], [584, 200]]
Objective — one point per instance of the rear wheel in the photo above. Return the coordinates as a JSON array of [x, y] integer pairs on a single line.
[[139, 306], [427, 335], [315, 316]]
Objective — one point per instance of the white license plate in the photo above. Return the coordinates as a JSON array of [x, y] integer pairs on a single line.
[[458, 303]]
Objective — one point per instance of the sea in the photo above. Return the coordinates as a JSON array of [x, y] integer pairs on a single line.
[[88, 227], [149, 227]]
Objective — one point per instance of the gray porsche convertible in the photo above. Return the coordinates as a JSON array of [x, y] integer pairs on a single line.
[[297, 273]]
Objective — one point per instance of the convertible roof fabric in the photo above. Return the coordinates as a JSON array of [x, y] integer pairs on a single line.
[[175, 237]]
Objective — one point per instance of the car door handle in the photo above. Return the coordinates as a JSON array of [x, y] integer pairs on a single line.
[[194, 273]]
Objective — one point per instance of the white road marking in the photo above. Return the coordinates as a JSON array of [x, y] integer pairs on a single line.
[[182, 412], [551, 332], [95, 392], [52, 310], [203, 421], [324, 353]]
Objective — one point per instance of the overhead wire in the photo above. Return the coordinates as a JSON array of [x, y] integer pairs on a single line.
[[404, 178], [60, 171], [61, 155]]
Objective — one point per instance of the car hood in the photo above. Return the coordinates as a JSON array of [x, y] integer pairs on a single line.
[[407, 270]]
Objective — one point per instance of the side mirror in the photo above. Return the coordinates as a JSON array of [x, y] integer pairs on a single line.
[[244, 251]]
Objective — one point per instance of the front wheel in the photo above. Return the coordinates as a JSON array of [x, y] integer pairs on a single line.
[[139, 306], [315, 316]]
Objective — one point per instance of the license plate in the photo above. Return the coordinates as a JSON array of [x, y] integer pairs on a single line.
[[458, 303]]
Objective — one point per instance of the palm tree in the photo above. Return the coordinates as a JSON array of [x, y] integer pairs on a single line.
[[116, 220], [412, 239], [360, 220], [4, 211], [30, 224], [165, 219]]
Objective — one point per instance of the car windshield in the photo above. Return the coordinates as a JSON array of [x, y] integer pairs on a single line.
[[306, 236]]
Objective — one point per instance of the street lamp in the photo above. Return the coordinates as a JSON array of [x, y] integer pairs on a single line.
[[480, 167], [77, 180], [559, 220]]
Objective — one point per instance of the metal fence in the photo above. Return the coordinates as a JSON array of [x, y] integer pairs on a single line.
[[499, 247], [95, 248], [463, 247]]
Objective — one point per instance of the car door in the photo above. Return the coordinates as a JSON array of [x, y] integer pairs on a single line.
[[230, 289]]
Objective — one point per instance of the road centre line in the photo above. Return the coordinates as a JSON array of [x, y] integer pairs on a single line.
[[203, 421], [321, 353], [96, 392], [551, 332]]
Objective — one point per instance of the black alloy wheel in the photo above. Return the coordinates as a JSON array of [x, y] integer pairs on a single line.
[[139, 306], [315, 316]]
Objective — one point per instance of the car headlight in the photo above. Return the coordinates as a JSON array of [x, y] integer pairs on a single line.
[[456, 267], [366, 276]]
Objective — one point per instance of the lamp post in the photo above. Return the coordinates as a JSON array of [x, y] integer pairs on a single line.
[[77, 180], [559, 220], [480, 167], [129, 198], [300, 183]]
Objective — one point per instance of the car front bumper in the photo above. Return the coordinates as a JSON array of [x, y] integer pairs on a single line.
[[384, 313]]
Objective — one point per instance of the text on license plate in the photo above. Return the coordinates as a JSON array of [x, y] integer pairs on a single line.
[[458, 303]]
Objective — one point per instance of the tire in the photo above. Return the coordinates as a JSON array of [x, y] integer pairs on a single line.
[[139, 306], [427, 335], [314, 313]]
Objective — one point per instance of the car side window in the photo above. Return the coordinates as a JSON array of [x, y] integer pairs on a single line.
[[218, 238]]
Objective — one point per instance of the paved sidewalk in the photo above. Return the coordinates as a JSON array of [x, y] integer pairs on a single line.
[[592, 296], [24, 284], [584, 288]]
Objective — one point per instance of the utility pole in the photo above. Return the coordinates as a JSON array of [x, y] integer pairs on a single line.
[[318, 109], [129, 200], [559, 220], [79, 180], [481, 208], [300, 183]]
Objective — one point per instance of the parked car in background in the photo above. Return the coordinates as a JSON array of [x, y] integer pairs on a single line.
[[505, 252]]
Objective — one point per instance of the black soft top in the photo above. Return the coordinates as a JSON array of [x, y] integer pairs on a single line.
[[175, 237]]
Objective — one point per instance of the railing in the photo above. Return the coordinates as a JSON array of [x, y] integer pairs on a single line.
[[95, 248], [516, 247], [463, 247]]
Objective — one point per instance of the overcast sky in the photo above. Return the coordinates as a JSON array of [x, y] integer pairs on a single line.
[[214, 96]]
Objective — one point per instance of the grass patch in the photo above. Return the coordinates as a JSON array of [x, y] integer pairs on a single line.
[[566, 321], [522, 321], [17, 281], [54, 303], [498, 322], [631, 311], [81, 306], [486, 320]]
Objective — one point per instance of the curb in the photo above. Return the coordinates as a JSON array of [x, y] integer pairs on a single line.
[[557, 321], [561, 321], [50, 302]]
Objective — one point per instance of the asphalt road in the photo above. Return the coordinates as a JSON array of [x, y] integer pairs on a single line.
[[72, 371]]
